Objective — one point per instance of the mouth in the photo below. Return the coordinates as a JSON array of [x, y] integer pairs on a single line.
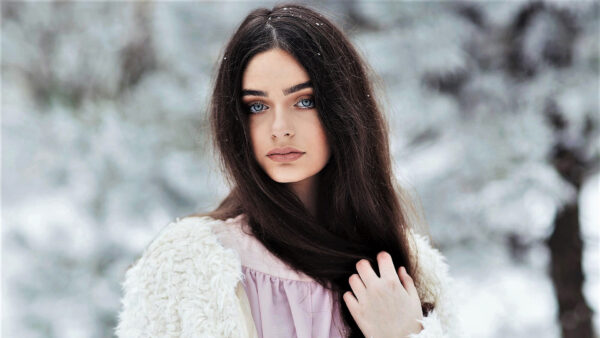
[[287, 157], [291, 152]]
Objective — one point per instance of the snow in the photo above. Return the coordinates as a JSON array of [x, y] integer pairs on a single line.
[[93, 170]]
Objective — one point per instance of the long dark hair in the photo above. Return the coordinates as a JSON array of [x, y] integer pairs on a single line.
[[361, 208]]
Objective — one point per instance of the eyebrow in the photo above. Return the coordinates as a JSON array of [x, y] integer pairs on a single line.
[[286, 91]]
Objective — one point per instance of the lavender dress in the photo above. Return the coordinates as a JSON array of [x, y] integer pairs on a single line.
[[284, 303]]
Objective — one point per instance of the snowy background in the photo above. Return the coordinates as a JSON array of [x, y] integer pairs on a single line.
[[493, 106]]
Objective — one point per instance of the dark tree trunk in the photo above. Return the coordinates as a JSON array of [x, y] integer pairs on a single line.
[[566, 249]]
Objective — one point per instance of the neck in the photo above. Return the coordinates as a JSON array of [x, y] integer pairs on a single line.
[[306, 190]]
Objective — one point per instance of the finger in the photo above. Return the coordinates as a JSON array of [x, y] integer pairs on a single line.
[[407, 281], [386, 266], [366, 272], [354, 307], [358, 287], [351, 303]]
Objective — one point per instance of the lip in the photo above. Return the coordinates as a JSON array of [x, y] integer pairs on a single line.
[[289, 157], [282, 151]]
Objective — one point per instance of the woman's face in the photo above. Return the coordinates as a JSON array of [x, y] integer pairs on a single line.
[[281, 112]]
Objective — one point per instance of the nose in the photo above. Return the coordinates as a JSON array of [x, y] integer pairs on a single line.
[[282, 125]]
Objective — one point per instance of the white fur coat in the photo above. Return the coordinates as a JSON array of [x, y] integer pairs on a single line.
[[187, 284]]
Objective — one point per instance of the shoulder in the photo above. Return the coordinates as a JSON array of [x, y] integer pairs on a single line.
[[435, 284], [184, 241], [431, 274], [432, 266], [182, 233], [175, 239], [183, 267]]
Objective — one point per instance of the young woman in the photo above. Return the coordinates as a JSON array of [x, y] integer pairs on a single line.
[[315, 237]]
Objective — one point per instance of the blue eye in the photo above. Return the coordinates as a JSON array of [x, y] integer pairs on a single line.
[[252, 105], [305, 100], [305, 103]]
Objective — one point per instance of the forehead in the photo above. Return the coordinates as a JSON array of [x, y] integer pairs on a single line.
[[273, 68]]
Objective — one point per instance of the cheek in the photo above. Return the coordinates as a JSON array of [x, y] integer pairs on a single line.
[[255, 135], [320, 143], [323, 144]]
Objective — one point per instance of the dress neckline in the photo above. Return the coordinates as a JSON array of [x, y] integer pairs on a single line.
[[235, 233]]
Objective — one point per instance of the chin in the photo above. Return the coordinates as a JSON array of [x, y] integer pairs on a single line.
[[289, 177], [286, 179]]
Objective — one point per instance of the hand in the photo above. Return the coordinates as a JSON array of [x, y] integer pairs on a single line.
[[385, 306]]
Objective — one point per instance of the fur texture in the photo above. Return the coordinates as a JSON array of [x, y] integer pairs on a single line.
[[186, 284]]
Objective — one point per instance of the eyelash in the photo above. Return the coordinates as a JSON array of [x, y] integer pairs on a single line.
[[250, 105]]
